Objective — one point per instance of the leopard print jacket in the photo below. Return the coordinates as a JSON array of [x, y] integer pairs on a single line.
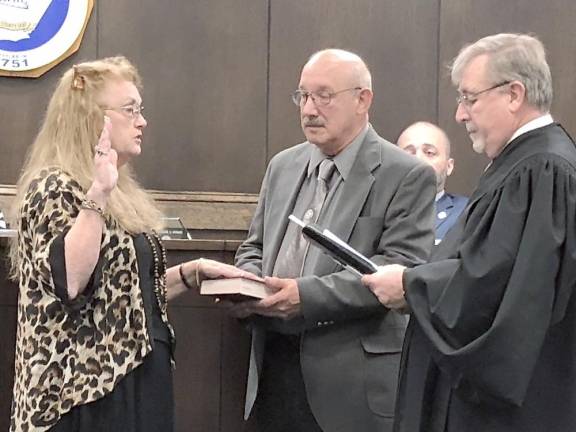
[[70, 353]]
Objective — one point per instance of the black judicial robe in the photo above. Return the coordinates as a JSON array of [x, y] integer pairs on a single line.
[[491, 344]]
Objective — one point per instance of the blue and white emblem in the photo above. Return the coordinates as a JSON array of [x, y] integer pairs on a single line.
[[35, 35]]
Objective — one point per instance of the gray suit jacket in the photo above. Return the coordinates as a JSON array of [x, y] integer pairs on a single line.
[[351, 344]]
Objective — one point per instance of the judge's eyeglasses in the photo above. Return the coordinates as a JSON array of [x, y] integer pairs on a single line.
[[469, 99]]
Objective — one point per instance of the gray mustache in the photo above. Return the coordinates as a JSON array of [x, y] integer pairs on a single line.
[[313, 123]]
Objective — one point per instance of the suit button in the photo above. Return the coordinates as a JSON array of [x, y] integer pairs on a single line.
[[442, 215]]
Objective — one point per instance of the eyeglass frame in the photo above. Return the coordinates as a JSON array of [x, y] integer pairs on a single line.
[[302, 95], [469, 99], [131, 111]]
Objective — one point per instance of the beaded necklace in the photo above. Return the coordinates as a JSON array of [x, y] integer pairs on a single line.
[[160, 288], [159, 276]]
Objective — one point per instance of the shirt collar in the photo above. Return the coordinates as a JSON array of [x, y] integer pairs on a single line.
[[439, 195], [538, 122], [343, 160]]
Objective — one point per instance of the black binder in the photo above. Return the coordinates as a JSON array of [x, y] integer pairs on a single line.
[[336, 248]]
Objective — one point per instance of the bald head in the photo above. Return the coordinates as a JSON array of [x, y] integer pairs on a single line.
[[429, 143], [334, 96], [359, 74]]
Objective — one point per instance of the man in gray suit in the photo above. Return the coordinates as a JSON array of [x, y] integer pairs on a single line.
[[325, 353]]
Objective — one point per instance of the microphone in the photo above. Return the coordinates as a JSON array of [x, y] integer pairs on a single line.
[[336, 248]]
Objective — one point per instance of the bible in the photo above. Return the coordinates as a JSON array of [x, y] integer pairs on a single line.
[[235, 289]]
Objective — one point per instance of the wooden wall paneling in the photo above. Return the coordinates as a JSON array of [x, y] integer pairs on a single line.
[[210, 215], [24, 102], [8, 319], [465, 21], [207, 215], [198, 361], [398, 40], [211, 369], [7, 347], [235, 361], [8, 313], [204, 69], [212, 358]]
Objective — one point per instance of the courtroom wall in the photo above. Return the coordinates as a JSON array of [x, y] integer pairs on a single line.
[[218, 76]]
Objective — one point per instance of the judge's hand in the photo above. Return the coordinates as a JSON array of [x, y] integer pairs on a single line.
[[284, 303], [105, 162], [386, 284]]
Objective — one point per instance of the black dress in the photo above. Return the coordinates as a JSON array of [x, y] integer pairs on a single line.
[[143, 400]]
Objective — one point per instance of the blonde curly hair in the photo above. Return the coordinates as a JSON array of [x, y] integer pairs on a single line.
[[66, 140]]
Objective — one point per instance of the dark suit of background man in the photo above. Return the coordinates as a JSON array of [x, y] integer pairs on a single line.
[[429, 143], [491, 344], [325, 353]]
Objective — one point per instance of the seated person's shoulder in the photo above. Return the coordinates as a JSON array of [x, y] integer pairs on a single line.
[[458, 201]]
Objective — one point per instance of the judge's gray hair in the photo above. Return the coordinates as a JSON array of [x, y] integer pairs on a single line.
[[511, 57]]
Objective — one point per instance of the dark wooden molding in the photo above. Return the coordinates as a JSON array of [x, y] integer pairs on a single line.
[[216, 221]]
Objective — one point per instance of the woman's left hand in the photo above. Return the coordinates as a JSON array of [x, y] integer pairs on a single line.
[[210, 269]]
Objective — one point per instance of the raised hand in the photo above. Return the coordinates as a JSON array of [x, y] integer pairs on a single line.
[[105, 161]]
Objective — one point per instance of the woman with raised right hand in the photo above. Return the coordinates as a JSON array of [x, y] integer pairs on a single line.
[[94, 344]]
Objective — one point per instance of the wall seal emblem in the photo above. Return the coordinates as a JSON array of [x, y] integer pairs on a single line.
[[36, 35]]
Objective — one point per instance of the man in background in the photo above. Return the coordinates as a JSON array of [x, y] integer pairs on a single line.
[[325, 352], [429, 143]]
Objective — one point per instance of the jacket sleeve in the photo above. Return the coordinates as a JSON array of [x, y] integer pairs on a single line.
[[249, 254]]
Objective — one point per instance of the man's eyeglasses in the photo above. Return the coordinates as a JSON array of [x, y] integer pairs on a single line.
[[469, 99], [323, 98], [131, 111]]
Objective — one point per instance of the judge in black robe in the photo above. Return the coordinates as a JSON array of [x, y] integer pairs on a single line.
[[491, 344]]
